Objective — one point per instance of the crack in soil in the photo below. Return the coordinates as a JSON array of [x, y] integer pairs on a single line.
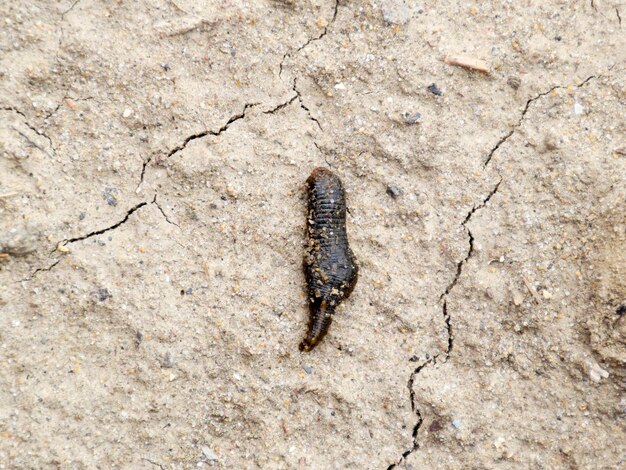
[[288, 54], [38, 270], [61, 32], [448, 325], [69, 9], [155, 202], [325, 158], [459, 269], [298, 96], [482, 204], [521, 119], [418, 413], [154, 463], [34, 129], [281, 105], [102, 231], [199, 135], [459, 266], [91, 234], [225, 127], [65, 97], [303, 106], [54, 111], [107, 229]]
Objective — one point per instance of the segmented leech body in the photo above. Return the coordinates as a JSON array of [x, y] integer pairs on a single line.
[[329, 265]]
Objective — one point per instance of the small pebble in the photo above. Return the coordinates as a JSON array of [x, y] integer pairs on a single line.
[[514, 82], [457, 423], [138, 337], [165, 67], [81, 216], [434, 89], [394, 191], [550, 141], [518, 298], [578, 108], [412, 118], [414, 358], [168, 361], [103, 294], [435, 426], [308, 369], [595, 372], [208, 454], [395, 12], [127, 113], [109, 197]]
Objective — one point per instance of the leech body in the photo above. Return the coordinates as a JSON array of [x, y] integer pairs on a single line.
[[329, 264]]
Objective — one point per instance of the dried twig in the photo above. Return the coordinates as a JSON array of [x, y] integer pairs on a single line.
[[182, 26], [468, 63], [531, 289]]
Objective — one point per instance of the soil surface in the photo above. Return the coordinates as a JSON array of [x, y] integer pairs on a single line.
[[152, 216]]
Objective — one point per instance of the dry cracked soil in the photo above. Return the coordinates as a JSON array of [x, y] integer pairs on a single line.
[[152, 216]]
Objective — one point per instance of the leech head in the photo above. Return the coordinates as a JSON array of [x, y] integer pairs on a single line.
[[320, 172]]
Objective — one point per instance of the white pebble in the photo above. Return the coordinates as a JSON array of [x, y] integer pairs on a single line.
[[578, 108], [595, 372], [208, 453]]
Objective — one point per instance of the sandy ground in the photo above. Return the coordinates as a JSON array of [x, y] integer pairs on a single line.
[[152, 214]]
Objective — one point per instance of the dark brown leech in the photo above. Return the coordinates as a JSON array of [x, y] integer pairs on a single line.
[[329, 265]]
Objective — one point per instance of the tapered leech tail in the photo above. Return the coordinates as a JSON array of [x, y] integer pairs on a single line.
[[329, 265]]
